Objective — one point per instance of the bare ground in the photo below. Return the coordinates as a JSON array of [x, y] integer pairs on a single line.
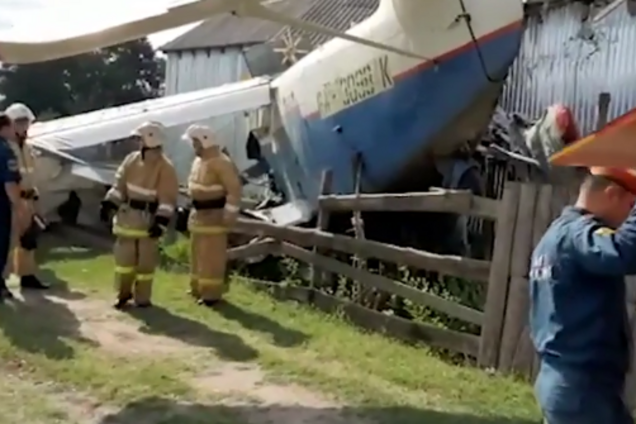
[[237, 385]]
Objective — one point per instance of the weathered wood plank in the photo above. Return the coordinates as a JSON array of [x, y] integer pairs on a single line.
[[379, 282], [516, 316], [318, 277], [391, 326], [452, 201], [398, 328], [259, 248], [499, 277], [456, 266]]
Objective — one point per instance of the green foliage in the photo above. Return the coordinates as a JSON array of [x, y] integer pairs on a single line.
[[113, 76], [468, 293]]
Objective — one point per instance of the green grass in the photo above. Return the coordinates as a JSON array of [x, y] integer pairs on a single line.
[[379, 378]]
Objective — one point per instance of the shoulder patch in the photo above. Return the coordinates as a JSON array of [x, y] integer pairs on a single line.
[[12, 165], [604, 231]]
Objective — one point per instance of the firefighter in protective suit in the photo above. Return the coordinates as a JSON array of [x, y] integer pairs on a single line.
[[22, 258], [143, 200], [214, 187]]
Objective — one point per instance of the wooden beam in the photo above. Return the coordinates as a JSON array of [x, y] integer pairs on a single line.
[[318, 277], [516, 316], [379, 282], [407, 331], [452, 201], [499, 277], [250, 250], [456, 266]]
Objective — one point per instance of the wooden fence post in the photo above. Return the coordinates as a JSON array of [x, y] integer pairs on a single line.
[[524, 360], [319, 277], [498, 280], [516, 315]]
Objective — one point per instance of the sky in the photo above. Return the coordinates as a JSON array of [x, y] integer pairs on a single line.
[[30, 19]]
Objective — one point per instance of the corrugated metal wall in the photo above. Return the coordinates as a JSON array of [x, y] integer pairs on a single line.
[[564, 59], [189, 71]]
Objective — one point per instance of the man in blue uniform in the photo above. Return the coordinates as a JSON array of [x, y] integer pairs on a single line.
[[13, 211], [578, 317]]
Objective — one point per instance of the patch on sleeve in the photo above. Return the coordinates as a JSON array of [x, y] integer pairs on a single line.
[[604, 231], [12, 165]]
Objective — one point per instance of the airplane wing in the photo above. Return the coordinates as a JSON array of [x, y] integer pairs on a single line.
[[60, 136], [85, 29]]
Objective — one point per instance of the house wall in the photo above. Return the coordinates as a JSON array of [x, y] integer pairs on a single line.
[[565, 58]]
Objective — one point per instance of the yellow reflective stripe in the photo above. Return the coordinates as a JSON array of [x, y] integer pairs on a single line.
[[198, 229], [145, 277], [125, 269], [127, 232]]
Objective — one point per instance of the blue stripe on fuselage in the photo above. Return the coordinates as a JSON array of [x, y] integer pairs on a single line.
[[389, 128]]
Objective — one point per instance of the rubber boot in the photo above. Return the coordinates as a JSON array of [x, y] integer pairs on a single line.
[[122, 302], [32, 282]]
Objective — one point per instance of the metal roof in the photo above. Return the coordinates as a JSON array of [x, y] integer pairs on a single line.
[[226, 30]]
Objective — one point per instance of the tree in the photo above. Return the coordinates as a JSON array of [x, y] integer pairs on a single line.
[[113, 76]]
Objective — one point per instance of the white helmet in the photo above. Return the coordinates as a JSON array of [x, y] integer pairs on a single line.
[[19, 111], [152, 134], [202, 133]]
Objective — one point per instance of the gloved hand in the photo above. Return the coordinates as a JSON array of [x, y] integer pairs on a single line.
[[230, 215], [106, 209], [158, 226], [181, 224]]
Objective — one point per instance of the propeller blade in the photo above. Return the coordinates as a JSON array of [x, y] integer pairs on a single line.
[[257, 10], [21, 52]]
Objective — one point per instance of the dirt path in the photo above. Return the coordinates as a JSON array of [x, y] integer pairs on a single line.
[[243, 387]]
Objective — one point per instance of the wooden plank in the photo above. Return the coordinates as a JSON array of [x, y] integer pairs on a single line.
[[516, 316], [407, 331], [525, 359], [499, 277], [462, 202], [259, 248], [456, 266], [379, 282], [319, 278], [358, 227]]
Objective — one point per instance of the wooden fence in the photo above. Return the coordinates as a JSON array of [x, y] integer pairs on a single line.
[[314, 246]]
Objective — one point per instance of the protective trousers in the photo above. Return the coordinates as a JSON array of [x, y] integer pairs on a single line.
[[6, 226], [135, 263], [572, 397], [208, 256], [21, 262]]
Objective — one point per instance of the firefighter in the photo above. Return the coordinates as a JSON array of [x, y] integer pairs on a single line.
[[143, 200], [22, 260], [578, 319], [14, 213], [214, 187]]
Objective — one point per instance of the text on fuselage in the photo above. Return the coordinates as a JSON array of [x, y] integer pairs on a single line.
[[367, 81]]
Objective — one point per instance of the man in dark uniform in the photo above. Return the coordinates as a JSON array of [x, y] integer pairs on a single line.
[[578, 316], [13, 210]]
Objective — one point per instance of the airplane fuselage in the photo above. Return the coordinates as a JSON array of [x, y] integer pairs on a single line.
[[344, 99]]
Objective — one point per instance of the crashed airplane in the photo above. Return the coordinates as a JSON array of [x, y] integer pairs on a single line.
[[414, 81]]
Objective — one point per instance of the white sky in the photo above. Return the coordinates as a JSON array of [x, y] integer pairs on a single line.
[[31, 19]]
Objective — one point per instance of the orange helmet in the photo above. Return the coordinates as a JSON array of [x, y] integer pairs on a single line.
[[624, 177]]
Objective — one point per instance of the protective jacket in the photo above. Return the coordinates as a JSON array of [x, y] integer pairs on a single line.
[[578, 317], [215, 188], [142, 190]]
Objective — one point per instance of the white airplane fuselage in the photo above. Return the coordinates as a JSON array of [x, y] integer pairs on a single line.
[[344, 99]]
